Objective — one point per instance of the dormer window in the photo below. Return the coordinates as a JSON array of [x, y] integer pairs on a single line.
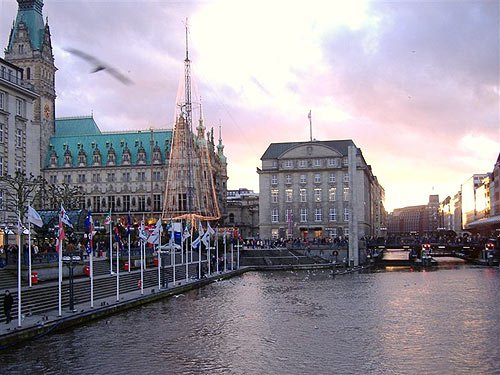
[[111, 156], [68, 158], [126, 156], [53, 159], [82, 158], [141, 155], [156, 155], [96, 157]]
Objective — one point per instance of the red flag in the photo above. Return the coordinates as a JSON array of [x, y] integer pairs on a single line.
[[61, 234]]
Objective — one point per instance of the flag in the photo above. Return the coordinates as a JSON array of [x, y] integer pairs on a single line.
[[206, 237], [89, 223], [65, 218], [197, 241], [34, 217], [118, 239], [61, 235], [155, 235], [107, 219], [143, 234], [185, 234], [129, 223]]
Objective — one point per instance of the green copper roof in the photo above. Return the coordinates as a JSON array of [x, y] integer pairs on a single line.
[[82, 133], [76, 126], [30, 13]]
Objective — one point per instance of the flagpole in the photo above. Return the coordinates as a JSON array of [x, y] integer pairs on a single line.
[[129, 266], [110, 248], [60, 265], [217, 252], [232, 256], [225, 255], [199, 261], [117, 269], [142, 267], [92, 278], [208, 256], [238, 255], [29, 253], [19, 269], [159, 262]]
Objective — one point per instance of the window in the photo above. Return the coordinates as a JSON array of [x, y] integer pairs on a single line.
[[289, 195], [274, 196], [303, 179], [141, 176], [81, 178], [345, 162], [303, 195], [1, 200], [331, 179], [346, 177], [19, 166], [21, 49], [346, 214], [317, 162], [126, 202], [274, 233], [332, 194], [274, 215], [111, 177], [111, 202], [288, 179], [317, 195], [288, 163], [19, 138], [333, 232], [126, 177], [303, 215], [28, 73], [274, 180], [302, 164], [317, 214], [346, 194], [96, 204], [346, 232], [3, 98], [317, 178], [20, 107], [156, 201], [96, 177], [141, 202], [67, 178], [53, 179], [156, 176], [333, 214], [231, 218], [332, 162]]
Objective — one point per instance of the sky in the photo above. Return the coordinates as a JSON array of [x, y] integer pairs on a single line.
[[415, 84]]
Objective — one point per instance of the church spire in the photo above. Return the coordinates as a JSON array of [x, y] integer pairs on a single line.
[[30, 19]]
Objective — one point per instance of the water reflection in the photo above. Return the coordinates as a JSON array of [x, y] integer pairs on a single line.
[[292, 322]]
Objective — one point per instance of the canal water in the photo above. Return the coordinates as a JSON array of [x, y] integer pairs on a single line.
[[302, 322]]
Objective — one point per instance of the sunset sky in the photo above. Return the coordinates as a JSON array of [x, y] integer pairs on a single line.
[[414, 84]]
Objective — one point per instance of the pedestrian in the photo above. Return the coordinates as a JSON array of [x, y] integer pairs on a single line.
[[8, 301]]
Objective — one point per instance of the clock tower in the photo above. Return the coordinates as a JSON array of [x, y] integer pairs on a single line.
[[30, 48]]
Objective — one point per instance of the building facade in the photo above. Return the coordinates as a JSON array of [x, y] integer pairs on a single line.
[[305, 192], [420, 220], [117, 171], [243, 212]]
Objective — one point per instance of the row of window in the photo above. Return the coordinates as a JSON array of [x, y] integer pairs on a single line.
[[20, 104], [303, 215], [330, 232], [317, 163], [303, 178], [111, 177], [318, 195], [19, 166], [19, 136]]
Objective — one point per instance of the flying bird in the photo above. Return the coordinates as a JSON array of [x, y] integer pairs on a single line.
[[99, 65]]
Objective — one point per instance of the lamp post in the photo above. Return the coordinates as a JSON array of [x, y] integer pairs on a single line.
[[71, 261]]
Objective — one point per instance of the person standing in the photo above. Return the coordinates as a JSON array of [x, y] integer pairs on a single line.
[[8, 301]]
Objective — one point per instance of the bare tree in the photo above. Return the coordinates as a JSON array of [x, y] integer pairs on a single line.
[[68, 196], [19, 191]]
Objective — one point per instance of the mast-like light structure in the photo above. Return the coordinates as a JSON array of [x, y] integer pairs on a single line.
[[190, 189]]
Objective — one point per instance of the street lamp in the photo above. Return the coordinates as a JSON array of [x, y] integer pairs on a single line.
[[71, 261]]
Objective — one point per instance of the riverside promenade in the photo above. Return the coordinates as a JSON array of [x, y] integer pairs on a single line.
[[38, 321]]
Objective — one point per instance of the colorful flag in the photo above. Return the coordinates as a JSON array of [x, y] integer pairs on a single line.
[[34, 217], [107, 219], [143, 234], [206, 237], [155, 236], [197, 241], [118, 239], [61, 235], [185, 234], [65, 218], [89, 224]]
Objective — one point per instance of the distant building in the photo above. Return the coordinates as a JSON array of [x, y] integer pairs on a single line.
[[305, 192], [420, 219], [471, 200], [243, 212]]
